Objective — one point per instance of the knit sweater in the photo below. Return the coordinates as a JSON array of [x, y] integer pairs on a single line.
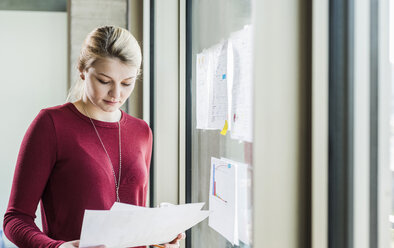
[[62, 164]]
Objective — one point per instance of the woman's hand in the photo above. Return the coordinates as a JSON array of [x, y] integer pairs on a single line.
[[175, 242], [75, 243]]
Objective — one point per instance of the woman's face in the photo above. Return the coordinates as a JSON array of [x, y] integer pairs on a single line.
[[109, 83]]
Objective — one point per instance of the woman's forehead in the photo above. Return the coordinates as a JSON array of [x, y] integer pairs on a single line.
[[113, 68]]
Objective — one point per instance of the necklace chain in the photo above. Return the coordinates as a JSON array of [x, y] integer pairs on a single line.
[[117, 182]]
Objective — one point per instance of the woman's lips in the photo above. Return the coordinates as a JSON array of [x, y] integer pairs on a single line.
[[110, 103]]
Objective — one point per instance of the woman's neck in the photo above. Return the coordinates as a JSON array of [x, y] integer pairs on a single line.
[[92, 111]]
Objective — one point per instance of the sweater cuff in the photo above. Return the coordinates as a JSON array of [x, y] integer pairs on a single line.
[[59, 243]]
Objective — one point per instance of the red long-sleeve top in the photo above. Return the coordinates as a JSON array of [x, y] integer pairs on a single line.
[[62, 163]]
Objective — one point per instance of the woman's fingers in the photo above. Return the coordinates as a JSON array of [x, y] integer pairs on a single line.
[[179, 237], [182, 235], [70, 244], [175, 242], [176, 245], [75, 243]]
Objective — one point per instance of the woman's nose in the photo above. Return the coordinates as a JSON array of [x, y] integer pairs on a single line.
[[115, 92]]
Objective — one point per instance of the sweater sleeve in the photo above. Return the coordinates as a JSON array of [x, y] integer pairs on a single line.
[[148, 156], [36, 158], [148, 153]]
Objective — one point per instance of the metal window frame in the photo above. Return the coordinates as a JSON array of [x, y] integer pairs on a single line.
[[152, 97], [374, 127], [383, 87], [188, 100], [341, 123]]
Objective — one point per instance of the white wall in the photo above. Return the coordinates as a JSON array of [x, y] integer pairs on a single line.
[[166, 69], [319, 184], [33, 67], [84, 17]]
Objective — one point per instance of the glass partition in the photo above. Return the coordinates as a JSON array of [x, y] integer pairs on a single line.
[[221, 117]]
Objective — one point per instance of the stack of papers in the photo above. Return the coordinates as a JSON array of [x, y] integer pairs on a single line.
[[129, 226]]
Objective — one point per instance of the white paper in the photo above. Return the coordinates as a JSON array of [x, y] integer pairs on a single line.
[[223, 200], [129, 226], [244, 203], [242, 85], [118, 206], [230, 78], [211, 87], [202, 90], [218, 108]]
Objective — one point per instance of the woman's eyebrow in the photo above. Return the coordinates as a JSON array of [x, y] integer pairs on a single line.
[[111, 78]]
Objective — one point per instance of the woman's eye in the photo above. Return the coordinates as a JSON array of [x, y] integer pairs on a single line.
[[126, 84], [103, 82]]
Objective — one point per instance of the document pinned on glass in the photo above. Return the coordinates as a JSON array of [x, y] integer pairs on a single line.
[[223, 199], [211, 88], [242, 85], [244, 200], [129, 226], [230, 200], [218, 107], [202, 90]]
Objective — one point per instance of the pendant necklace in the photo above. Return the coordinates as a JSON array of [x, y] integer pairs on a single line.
[[117, 182]]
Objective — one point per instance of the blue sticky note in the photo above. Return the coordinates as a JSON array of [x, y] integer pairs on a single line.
[[224, 76]]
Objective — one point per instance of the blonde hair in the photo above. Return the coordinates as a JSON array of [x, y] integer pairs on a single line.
[[105, 42]]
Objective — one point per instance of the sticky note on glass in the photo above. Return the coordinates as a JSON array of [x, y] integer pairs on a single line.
[[225, 128]]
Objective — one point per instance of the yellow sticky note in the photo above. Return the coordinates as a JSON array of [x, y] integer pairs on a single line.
[[225, 128]]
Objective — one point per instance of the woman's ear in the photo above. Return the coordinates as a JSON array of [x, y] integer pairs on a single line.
[[82, 75]]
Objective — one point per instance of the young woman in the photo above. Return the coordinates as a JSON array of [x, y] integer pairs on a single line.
[[86, 153]]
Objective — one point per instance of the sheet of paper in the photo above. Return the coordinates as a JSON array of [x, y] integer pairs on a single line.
[[223, 200], [242, 85], [212, 108], [129, 226], [244, 201], [118, 206], [230, 78], [218, 107], [202, 89]]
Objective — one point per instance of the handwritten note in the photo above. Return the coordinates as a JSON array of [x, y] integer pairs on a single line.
[[218, 108], [211, 88], [242, 85], [202, 89]]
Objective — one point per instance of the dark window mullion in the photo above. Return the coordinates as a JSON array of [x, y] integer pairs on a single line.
[[188, 97], [152, 96], [373, 190], [341, 47]]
